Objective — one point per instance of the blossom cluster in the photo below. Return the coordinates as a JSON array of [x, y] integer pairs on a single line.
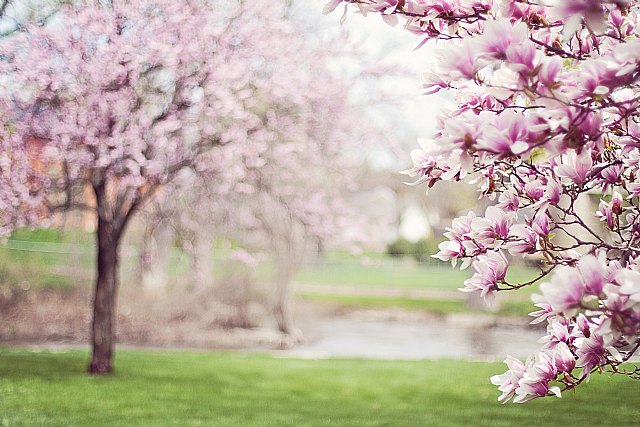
[[547, 119]]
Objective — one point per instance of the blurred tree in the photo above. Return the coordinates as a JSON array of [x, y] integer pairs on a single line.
[[288, 191], [119, 98]]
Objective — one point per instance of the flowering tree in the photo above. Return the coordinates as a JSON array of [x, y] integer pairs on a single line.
[[283, 193], [547, 115], [119, 98], [295, 194]]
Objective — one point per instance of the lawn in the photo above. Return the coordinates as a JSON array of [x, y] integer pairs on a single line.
[[232, 389], [390, 272], [64, 255], [508, 306]]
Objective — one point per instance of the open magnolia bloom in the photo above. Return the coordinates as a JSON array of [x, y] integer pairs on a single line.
[[547, 116]]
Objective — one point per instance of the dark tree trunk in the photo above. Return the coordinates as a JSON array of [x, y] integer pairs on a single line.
[[104, 304]]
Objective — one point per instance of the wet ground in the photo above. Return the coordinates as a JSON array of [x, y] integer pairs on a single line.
[[452, 337]]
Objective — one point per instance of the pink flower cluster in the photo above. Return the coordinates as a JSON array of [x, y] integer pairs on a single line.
[[548, 116], [593, 314]]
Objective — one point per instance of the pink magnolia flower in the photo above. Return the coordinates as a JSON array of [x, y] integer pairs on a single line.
[[462, 62], [563, 358], [493, 226], [522, 57], [509, 201], [508, 382], [557, 332], [543, 314], [490, 270], [630, 284], [450, 250], [611, 175], [534, 189], [549, 71], [507, 136], [616, 203], [591, 352], [499, 36], [605, 213], [575, 167], [594, 273], [565, 291], [540, 224], [582, 326], [424, 161], [535, 381], [523, 240], [434, 82], [459, 233]]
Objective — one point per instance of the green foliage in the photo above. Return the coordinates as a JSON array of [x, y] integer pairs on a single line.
[[421, 250], [400, 248], [424, 248], [231, 389]]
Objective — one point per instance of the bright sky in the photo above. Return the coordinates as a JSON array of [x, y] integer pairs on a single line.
[[414, 114]]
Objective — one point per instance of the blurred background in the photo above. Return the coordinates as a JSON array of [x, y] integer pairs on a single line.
[[336, 261], [281, 277]]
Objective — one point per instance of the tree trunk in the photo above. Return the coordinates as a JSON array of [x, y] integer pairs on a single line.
[[281, 308], [155, 257], [104, 304]]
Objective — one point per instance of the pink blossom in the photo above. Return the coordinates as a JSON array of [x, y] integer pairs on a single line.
[[549, 71], [543, 314], [523, 240], [594, 274], [499, 36], [575, 167], [508, 382], [540, 224], [565, 291], [591, 352], [563, 358], [494, 225], [616, 203], [507, 136], [461, 62], [553, 192], [605, 213], [534, 189], [490, 270], [508, 201], [557, 333], [535, 381]]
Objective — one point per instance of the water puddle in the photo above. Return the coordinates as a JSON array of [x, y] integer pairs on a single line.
[[348, 337]]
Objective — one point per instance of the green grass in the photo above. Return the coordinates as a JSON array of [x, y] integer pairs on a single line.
[[507, 307], [229, 389], [394, 273], [436, 306]]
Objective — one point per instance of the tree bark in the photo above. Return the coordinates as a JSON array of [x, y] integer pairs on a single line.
[[104, 303], [282, 312], [155, 256], [282, 307]]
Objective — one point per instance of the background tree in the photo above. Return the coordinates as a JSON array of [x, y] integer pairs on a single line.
[[285, 193], [547, 114], [119, 98]]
